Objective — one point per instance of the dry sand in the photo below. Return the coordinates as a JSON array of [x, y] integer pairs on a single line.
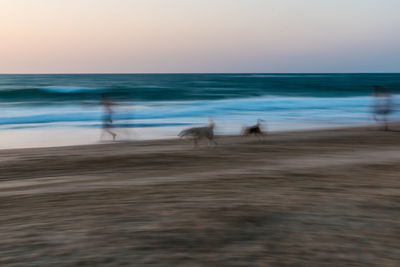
[[317, 198]]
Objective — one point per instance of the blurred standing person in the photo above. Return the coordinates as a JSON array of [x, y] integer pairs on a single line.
[[382, 105], [107, 117]]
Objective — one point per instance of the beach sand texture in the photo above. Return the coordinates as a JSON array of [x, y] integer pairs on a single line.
[[312, 198]]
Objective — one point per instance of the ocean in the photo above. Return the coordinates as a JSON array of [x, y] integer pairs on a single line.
[[65, 109]]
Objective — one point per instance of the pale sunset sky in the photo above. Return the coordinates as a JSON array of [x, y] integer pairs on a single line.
[[169, 36]]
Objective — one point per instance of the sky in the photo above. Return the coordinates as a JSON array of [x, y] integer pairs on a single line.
[[197, 36]]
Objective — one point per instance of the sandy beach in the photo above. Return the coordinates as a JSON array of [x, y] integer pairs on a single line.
[[307, 198]]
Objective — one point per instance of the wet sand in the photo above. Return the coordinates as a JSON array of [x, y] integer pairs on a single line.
[[312, 198]]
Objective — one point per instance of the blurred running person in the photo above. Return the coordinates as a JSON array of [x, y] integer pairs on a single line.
[[107, 117], [382, 106]]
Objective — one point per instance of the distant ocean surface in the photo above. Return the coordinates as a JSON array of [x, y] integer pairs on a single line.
[[163, 104]]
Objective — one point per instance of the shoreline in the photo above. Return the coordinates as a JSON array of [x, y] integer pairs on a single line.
[[88, 137]]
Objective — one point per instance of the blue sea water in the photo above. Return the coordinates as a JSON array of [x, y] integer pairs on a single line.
[[284, 101]]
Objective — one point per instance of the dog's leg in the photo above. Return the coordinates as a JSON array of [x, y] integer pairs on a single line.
[[211, 141], [260, 136], [215, 142], [195, 143]]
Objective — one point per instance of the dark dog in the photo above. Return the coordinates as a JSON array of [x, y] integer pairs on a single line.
[[255, 130]]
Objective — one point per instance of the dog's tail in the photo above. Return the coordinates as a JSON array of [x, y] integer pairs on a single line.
[[184, 133]]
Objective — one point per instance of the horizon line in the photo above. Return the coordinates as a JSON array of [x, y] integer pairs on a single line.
[[180, 73]]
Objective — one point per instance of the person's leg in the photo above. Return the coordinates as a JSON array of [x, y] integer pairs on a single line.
[[385, 122], [111, 133], [102, 134]]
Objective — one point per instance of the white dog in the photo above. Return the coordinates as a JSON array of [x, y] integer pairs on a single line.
[[198, 133]]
